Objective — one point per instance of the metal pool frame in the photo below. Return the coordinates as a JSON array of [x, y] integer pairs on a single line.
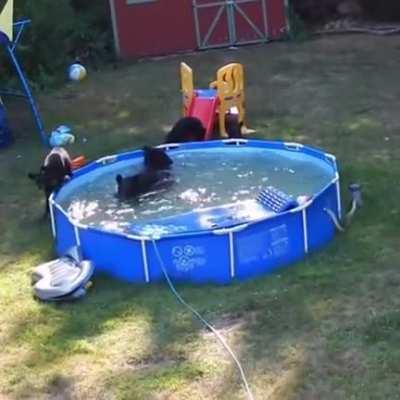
[[219, 255]]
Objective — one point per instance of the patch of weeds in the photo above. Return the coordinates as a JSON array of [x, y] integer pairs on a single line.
[[383, 328]]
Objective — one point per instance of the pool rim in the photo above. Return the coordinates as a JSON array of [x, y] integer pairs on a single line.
[[282, 145]]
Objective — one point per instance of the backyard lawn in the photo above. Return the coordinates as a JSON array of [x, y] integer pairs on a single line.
[[326, 328]]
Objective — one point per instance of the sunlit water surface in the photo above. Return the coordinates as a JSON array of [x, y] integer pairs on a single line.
[[202, 179]]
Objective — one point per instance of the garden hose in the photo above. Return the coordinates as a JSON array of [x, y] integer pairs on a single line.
[[206, 323], [356, 202]]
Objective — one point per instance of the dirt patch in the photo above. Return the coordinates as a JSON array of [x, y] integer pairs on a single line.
[[228, 323], [153, 361], [60, 388], [351, 360]]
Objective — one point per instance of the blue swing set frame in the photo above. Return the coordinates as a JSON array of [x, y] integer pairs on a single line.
[[26, 93]]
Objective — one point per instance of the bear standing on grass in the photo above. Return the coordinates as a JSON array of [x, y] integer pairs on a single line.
[[191, 129], [155, 175], [186, 129], [55, 171]]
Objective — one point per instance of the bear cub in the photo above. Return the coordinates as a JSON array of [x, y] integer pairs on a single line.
[[155, 175], [186, 129], [55, 171], [191, 129]]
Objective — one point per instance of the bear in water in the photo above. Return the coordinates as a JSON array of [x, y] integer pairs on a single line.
[[155, 175], [55, 171]]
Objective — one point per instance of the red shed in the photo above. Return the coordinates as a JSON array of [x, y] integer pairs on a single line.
[[157, 27]]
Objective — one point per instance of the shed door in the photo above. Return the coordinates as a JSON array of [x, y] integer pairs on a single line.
[[221, 23]]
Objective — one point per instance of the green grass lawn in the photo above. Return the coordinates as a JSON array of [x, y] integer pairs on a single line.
[[327, 328]]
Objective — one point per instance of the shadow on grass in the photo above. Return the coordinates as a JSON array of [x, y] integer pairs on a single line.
[[290, 310]]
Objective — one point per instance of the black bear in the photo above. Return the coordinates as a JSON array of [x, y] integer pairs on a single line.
[[232, 126], [55, 171], [155, 175], [186, 129], [191, 129]]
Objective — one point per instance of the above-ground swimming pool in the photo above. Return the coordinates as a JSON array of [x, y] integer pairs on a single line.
[[210, 224]]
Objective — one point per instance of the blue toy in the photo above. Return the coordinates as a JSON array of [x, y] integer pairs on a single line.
[[276, 200], [61, 136]]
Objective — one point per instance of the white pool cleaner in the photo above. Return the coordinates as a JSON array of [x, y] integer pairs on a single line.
[[63, 279]]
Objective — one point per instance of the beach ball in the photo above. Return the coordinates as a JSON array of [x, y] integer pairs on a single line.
[[77, 72]]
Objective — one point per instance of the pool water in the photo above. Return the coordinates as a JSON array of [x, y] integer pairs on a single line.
[[202, 179]]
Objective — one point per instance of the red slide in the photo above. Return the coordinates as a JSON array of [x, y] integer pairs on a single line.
[[204, 108]]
